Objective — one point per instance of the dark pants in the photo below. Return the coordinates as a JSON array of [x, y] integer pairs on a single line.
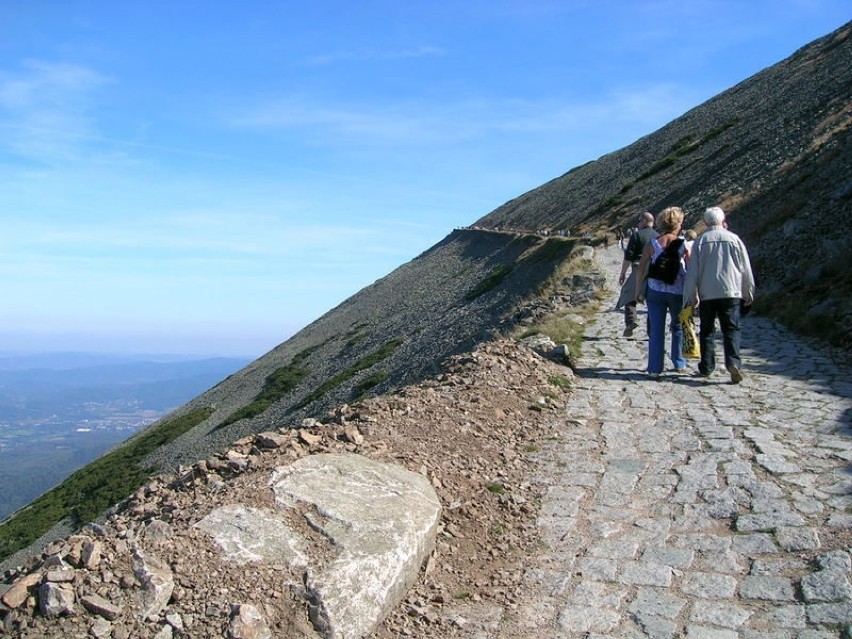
[[728, 311], [631, 314]]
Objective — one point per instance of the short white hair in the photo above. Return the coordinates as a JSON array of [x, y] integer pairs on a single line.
[[714, 216]]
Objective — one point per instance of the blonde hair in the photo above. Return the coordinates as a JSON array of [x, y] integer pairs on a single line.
[[669, 219], [691, 234]]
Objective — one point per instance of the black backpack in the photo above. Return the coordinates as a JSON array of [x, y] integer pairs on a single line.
[[667, 265], [633, 251]]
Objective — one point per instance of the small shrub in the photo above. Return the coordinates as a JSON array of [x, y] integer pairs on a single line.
[[496, 488], [560, 381]]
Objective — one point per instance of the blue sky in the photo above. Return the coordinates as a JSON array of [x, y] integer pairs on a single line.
[[208, 177]]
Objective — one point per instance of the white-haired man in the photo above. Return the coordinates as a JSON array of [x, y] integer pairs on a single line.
[[719, 280]]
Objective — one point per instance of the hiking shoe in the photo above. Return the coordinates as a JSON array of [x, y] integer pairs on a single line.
[[628, 332], [736, 374]]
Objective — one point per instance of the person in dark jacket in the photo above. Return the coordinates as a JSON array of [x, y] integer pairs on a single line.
[[639, 239]]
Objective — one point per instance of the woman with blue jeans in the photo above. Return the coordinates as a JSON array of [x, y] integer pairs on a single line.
[[664, 298]]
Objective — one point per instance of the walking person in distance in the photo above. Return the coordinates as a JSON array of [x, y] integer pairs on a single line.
[[639, 238], [660, 279], [720, 281]]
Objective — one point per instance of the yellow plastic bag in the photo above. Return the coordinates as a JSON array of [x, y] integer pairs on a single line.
[[691, 349]]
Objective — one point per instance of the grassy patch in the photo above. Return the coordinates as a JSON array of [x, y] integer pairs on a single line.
[[90, 491], [553, 249], [491, 281], [372, 380], [659, 165], [280, 382], [277, 384], [496, 488], [568, 330], [829, 327], [684, 146], [613, 201], [560, 381], [356, 335], [561, 330], [363, 364], [717, 131]]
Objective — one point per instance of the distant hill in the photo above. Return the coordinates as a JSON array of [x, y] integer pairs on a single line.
[[774, 151], [60, 411]]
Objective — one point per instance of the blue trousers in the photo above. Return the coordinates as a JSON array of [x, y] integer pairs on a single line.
[[727, 309], [660, 305]]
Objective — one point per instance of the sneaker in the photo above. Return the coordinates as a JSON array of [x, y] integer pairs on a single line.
[[628, 332], [736, 374]]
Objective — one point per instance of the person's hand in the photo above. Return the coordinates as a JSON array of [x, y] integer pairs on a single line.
[[621, 279], [640, 298]]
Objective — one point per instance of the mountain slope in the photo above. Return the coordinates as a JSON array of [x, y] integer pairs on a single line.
[[773, 150]]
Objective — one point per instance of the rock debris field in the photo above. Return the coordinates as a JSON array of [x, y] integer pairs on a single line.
[[601, 505]]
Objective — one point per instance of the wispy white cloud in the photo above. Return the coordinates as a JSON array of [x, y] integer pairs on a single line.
[[432, 123], [44, 108], [201, 237], [368, 56]]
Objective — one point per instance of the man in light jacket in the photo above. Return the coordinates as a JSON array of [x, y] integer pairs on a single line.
[[720, 281]]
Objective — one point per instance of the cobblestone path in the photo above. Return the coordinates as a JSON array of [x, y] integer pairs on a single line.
[[692, 507]]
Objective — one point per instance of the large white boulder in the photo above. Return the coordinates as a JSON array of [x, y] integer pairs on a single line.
[[380, 521]]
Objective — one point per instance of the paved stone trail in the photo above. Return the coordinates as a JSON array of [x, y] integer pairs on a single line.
[[696, 508]]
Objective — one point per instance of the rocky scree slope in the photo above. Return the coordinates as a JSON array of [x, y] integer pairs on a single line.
[[469, 429], [397, 331], [775, 151]]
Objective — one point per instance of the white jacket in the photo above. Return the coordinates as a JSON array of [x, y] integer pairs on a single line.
[[718, 268]]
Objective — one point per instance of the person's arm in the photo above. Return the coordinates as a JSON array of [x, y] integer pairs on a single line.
[[690, 282], [642, 273], [748, 277], [624, 266]]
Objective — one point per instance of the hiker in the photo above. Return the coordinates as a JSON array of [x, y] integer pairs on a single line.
[[639, 238], [720, 281], [659, 280], [689, 239]]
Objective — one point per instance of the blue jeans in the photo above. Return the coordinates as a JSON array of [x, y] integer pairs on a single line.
[[658, 305], [727, 309]]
